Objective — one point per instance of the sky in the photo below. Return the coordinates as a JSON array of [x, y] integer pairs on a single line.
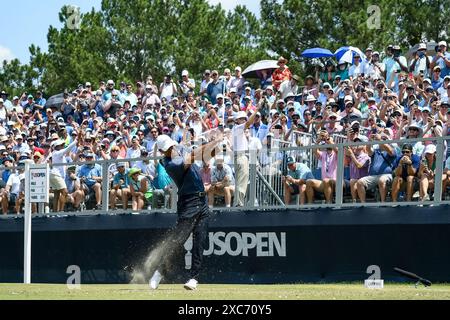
[[22, 32]]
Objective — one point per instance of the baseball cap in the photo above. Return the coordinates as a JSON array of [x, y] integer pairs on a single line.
[[310, 97], [30, 96], [442, 43], [110, 82], [427, 80], [233, 90], [431, 148], [184, 73], [422, 46], [219, 96], [238, 69], [240, 114], [121, 165], [164, 142], [290, 160]]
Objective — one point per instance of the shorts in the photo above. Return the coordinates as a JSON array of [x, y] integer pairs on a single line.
[[12, 198], [57, 183], [371, 182]]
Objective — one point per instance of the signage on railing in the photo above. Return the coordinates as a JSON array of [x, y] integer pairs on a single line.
[[39, 178]]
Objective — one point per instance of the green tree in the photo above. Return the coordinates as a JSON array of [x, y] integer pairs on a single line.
[[77, 55]]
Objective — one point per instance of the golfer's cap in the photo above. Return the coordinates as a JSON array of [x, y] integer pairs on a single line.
[[233, 90], [248, 88], [238, 69], [219, 96], [427, 80], [290, 160], [16, 98], [442, 43], [426, 108], [19, 137], [446, 77], [164, 142], [327, 84]]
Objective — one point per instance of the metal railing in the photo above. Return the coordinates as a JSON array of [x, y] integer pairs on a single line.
[[265, 188]]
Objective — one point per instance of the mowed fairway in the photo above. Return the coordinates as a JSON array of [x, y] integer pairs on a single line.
[[223, 292]]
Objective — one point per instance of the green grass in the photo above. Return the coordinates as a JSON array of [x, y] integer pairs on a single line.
[[223, 292]]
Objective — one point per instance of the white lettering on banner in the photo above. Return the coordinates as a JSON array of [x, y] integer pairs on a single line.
[[267, 244]]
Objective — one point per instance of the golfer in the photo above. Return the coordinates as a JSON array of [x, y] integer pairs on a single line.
[[192, 206]]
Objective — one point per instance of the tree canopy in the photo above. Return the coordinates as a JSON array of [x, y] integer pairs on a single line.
[[131, 40]]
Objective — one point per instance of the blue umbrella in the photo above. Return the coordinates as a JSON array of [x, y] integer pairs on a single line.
[[316, 53]]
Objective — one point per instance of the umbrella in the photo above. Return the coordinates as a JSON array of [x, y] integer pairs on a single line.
[[316, 53], [55, 100], [431, 46], [346, 54], [262, 69]]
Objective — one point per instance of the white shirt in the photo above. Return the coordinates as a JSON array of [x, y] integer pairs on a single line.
[[147, 169], [60, 157], [14, 182], [240, 142], [355, 70], [133, 153], [204, 85], [286, 88]]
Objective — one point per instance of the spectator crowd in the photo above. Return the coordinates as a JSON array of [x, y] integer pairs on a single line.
[[381, 97]]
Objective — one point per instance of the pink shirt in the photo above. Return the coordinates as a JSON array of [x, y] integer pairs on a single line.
[[329, 165]]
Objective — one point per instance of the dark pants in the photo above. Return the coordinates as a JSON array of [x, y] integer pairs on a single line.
[[193, 214]]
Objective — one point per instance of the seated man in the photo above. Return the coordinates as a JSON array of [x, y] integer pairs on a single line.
[[12, 192], [406, 167], [91, 176], [75, 191], [295, 180], [120, 187], [222, 182], [381, 167], [328, 159]]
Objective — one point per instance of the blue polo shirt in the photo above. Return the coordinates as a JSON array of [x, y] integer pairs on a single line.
[[188, 181], [382, 163]]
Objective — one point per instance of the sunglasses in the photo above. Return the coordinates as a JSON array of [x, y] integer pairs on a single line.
[[406, 151], [114, 150]]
